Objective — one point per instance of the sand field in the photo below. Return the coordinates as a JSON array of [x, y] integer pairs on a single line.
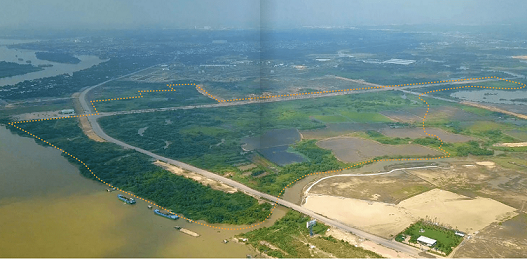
[[379, 218], [456, 210], [387, 220], [196, 177]]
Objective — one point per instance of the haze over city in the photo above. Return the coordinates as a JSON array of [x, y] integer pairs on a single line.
[[243, 14], [263, 129]]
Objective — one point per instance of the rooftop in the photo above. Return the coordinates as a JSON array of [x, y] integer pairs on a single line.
[[426, 240]]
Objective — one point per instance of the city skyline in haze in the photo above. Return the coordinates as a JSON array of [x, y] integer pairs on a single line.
[[251, 14]]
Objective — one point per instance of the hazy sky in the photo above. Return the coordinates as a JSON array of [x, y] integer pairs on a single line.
[[115, 14]]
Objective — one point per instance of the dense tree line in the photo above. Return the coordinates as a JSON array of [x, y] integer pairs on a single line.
[[134, 172], [8, 69], [63, 85], [57, 57]]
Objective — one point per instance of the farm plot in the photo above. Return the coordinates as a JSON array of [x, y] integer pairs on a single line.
[[337, 129], [351, 149], [419, 133]]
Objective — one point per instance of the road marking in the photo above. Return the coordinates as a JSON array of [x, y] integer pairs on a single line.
[[251, 98]]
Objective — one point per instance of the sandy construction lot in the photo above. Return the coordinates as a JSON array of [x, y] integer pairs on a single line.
[[389, 188], [387, 220], [457, 210], [506, 240], [352, 149], [379, 218]]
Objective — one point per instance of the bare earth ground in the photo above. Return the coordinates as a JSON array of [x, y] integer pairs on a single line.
[[368, 245], [378, 218], [390, 188], [387, 220], [88, 131], [352, 149], [37, 115], [419, 133], [196, 177], [479, 178], [458, 211], [520, 144], [507, 240]]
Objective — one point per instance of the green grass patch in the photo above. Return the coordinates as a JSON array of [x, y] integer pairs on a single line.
[[365, 116], [330, 118], [446, 238], [211, 131], [481, 126], [290, 235]]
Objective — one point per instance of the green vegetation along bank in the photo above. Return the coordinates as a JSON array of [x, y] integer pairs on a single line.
[[57, 57], [8, 69], [134, 172]]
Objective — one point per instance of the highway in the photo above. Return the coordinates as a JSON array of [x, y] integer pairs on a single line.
[[288, 98], [379, 240], [82, 96], [98, 130]]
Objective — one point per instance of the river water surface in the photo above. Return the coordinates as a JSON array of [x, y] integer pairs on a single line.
[[13, 55], [47, 209]]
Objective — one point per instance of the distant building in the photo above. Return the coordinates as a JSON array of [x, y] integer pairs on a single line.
[[68, 112], [426, 241]]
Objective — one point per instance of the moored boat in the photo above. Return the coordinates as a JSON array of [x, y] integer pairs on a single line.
[[126, 199], [166, 215]]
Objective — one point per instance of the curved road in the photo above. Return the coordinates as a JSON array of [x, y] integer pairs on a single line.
[[98, 130]]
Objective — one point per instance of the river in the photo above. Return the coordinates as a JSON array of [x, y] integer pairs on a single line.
[[47, 209], [13, 55]]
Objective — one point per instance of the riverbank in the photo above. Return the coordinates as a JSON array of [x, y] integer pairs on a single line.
[[51, 200]]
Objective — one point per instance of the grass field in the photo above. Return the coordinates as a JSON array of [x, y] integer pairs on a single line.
[[365, 116], [446, 238], [289, 238], [330, 118]]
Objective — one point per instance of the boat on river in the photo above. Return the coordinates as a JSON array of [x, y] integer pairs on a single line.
[[126, 199]]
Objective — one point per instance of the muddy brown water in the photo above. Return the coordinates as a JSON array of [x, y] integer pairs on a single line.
[[47, 209]]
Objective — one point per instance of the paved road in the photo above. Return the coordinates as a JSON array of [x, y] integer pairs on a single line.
[[98, 130], [290, 98], [382, 241], [82, 97]]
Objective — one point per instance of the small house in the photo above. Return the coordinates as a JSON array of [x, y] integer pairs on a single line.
[[426, 241], [68, 112]]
